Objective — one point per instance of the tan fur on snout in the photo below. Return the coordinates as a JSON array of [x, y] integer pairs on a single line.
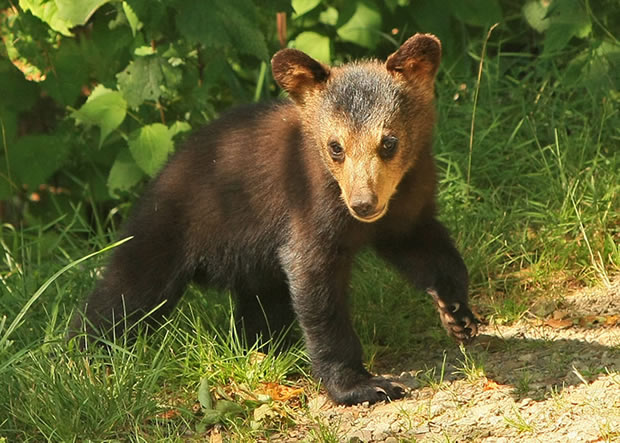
[[364, 173]]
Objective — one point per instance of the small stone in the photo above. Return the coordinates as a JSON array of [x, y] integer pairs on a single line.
[[379, 436], [382, 427], [317, 403], [347, 416], [360, 436]]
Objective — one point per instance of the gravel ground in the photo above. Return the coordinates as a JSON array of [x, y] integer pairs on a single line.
[[551, 380]]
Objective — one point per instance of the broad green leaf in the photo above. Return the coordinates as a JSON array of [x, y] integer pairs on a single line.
[[47, 11], [143, 51], [315, 45], [77, 12], [535, 13], [568, 19], [222, 24], [477, 12], [124, 174], [26, 45], [141, 80], [35, 158], [178, 127], [229, 408], [18, 93], [204, 394], [329, 16], [104, 108], [360, 23], [105, 51], [150, 147], [70, 73], [303, 6], [595, 69], [211, 417], [134, 22]]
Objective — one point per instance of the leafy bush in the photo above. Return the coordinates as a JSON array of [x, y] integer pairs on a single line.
[[96, 93]]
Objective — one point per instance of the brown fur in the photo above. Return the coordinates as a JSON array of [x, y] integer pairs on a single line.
[[273, 201]]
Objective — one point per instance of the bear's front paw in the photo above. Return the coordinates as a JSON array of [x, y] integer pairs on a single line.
[[458, 320], [371, 390]]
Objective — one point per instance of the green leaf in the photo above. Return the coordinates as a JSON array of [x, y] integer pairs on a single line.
[[568, 19], [125, 173], [535, 14], [228, 408], [104, 108], [477, 12], [360, 23], [211, 417], [303, 6], [77, 12], [17, 93], [329, 17], [432, 18], [150, 147], [141, 80], [47, 11], [134, 22], [35, 158], [222, 25], [315, 45], [178, 127], [143, 51], [70, 73], [204, 394]]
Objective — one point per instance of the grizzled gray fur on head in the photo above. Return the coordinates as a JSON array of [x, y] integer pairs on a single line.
[[363, 96]]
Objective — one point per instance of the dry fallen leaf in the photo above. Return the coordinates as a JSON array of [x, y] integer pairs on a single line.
[[559, 315], [280, 392], [169, 414], [490, 385], [559, 324]]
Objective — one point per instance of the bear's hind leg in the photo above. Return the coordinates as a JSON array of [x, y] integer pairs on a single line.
[[145, 275]]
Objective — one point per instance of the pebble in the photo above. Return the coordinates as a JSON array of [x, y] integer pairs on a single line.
[[381, 431], [360, 435]]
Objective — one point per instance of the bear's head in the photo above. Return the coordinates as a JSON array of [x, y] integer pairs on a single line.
[[369, 120]]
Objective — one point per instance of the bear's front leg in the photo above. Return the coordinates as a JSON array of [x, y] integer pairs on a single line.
[[427, 257], [318, 280]]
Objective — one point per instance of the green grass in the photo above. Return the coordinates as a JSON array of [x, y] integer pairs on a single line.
[[539, 214]]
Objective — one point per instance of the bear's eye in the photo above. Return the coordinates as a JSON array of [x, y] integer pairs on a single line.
[[336, 151], [389, 144]]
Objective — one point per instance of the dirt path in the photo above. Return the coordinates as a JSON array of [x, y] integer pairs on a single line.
[[556, 380]]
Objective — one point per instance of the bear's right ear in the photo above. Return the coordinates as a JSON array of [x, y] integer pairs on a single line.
[[417, 60], [298, 73]]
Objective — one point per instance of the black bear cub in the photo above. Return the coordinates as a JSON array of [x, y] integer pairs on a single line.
[[272, 201]]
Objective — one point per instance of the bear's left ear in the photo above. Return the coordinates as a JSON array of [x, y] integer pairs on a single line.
[[417, 60], [298, 73]]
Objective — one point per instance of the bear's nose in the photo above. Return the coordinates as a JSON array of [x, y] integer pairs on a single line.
[[364, 205]]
